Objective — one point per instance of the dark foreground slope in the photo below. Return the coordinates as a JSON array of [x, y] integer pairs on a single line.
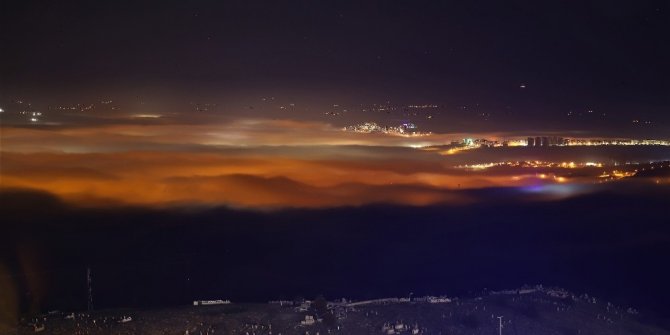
[[538, 312], [613, 244]]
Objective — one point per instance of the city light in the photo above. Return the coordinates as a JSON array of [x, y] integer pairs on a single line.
[[529, 164], [406, 129]]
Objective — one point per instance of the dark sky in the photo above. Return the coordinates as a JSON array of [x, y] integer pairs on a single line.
[[571, 55]]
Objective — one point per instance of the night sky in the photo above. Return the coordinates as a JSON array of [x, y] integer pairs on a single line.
[[605, 56]]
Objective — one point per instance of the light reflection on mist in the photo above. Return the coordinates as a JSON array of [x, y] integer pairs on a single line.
[[269, 163], [104, 137], [557, 191]]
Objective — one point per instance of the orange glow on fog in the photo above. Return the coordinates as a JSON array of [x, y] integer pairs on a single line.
[[252, 163], [155, 178]]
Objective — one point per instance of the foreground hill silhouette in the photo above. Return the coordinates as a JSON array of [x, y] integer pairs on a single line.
[[525, 311]]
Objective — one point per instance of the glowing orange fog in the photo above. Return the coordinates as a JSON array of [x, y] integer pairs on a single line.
[[254, 163], [155, 178]]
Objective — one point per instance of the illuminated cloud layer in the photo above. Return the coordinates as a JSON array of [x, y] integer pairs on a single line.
[[248, 163], [234, 179], [155, 136]]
